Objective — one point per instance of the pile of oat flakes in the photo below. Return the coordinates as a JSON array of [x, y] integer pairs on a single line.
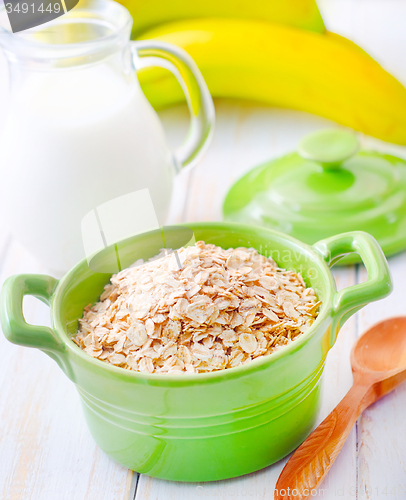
[[221, 309]]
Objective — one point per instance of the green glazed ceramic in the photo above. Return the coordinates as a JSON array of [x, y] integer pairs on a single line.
[[201, 427], [326, 188]]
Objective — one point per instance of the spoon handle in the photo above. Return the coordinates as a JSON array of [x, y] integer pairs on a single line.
[[308, 466]]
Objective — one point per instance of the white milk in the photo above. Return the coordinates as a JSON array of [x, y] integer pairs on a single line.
[[76, 138]]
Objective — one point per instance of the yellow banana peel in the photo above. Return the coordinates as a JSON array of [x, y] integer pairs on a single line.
[[321, 73], [147, 14]]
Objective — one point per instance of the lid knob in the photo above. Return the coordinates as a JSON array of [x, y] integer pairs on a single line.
[[329, 147]]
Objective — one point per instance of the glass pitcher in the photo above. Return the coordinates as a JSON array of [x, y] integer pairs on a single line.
[[80, 132]]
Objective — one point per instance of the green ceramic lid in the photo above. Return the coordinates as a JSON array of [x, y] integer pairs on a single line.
[[328, 187]]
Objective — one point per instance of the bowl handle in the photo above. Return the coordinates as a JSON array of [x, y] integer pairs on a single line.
[[14, 326], [378, 285]]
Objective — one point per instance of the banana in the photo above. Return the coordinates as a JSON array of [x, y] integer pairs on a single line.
[[147, 14], [323, 74]]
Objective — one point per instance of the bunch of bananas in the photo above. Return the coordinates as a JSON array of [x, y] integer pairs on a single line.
[[277, 53]]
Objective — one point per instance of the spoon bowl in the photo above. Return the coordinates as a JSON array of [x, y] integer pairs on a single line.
[[382, 348]]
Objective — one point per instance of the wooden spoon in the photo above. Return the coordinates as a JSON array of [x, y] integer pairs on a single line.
[[378, 361]]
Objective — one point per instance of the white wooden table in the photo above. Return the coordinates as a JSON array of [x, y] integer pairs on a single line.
[[46, 451]]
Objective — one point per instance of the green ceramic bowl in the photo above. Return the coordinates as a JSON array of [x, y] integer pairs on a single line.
[[201, 427]]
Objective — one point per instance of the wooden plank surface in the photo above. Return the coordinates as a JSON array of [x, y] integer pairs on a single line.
[[46, 451], [382, 428]]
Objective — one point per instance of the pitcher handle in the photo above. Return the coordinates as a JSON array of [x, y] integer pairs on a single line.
[[146, 53], [379, 282]]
